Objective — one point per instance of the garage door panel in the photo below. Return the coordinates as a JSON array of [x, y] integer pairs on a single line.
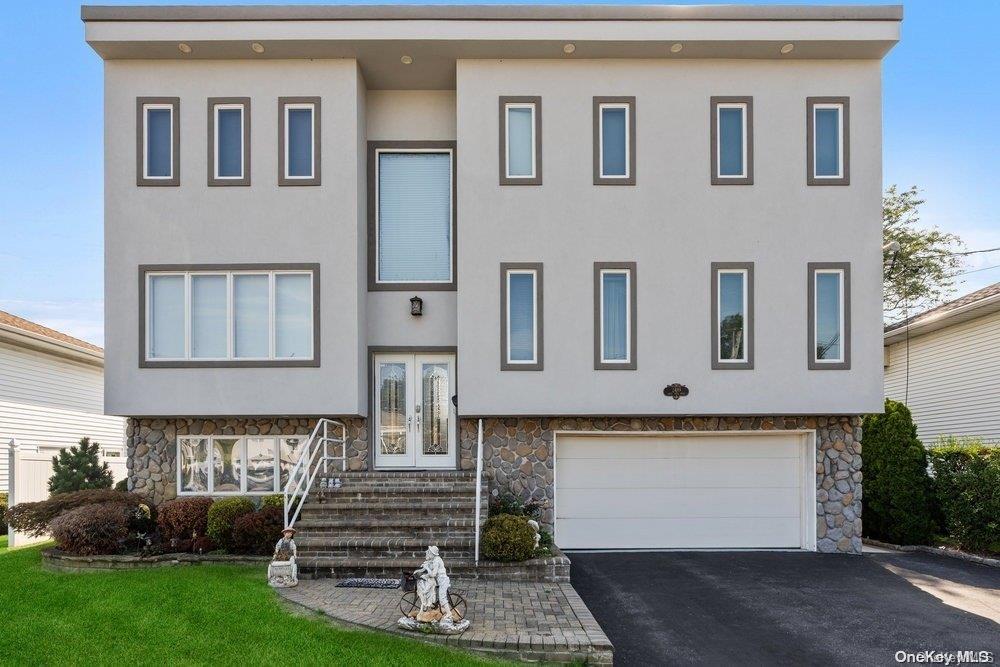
[[612, 473], [677, 533], [651, 447], [693, 503]]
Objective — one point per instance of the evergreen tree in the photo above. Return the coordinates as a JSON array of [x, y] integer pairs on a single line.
[[79, 468]]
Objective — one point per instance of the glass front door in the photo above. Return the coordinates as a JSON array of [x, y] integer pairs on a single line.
[[413, 412]]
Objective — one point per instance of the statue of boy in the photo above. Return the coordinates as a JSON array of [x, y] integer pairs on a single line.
[[433, 584], [282, 572]]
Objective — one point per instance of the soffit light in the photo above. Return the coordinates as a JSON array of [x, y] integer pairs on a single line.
[[184, 48], [569, 48], [676, 48], [256, 47], [787, 48], [406, 60]]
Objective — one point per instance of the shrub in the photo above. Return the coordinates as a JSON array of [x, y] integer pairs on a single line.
[[222, 517], [258, 532], [183, 517], [34, 518], [79, 468], [967, 484], [122, 484], [508, 538], [93, 529], [3, 508], [277, 500], [203, 545], [510, 504]]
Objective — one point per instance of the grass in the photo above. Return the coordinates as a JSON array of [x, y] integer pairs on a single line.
[[3, 542], [208, 614]]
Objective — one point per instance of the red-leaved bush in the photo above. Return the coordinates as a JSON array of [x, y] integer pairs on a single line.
[[183, 518], [92, 529], [35, 518], [257, 533]]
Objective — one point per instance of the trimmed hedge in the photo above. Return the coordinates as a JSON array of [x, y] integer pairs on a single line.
[[508, 538], [222, 517], [35, 518], [967, 483], [277, 500], [257, 533], [898, 493], [183, 518], [3, 508], [93, 529]]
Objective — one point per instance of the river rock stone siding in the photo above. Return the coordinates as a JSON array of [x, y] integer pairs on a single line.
[[518, 457], [152, 445]]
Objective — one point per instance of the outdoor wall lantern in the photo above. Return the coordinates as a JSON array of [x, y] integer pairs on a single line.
[[416, 306]]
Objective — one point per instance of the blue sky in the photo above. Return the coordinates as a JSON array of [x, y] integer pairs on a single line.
[[941, 134]]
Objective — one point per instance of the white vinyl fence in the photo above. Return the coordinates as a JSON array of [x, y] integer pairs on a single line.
[[30, 469]]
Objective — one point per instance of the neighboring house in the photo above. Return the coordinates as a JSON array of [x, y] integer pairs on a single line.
[[640, 245], [944, 364], [51, 393]]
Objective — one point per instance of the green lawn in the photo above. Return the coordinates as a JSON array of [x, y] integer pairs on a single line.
[[209, 614], [3, 542]]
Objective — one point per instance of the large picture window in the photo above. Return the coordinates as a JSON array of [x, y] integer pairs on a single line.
[[521, 316], [829, 315], [230, 316], [220, 465], [614, 316], [732, 315], [411, 215]]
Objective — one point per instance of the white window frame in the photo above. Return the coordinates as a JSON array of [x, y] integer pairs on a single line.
[[451, 215], [840, 139], [718, 315], [230, 315], [628, 315], [534, 315], [146, 107], [742, 106], [242, 444], [506, 136], [628, 138], [215, 139], [841, 315], [312, 144]]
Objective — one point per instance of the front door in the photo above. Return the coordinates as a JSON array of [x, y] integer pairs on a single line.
[[414, 416]]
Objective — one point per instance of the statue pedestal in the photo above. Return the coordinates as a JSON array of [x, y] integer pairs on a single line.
[[282, 574], [437, 627]]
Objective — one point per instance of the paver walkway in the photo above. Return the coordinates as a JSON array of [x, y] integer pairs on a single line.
[[519, 620]]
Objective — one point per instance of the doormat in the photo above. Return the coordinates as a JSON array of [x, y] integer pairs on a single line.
[[368, 583]]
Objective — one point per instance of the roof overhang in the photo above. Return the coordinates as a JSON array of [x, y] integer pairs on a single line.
[[948, 318], [436, 36], [39, 343]]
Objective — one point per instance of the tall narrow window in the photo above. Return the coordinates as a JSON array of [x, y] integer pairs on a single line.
[[298, 141], [829, 315], [209, 313], [732, 140], [615, 316], [520, 141], [828, 140], [251, 332], [229, 141], [732, 315], [166, 317], [614, 141], [521, 316], [293, 313], [411, 215], [157, 141]]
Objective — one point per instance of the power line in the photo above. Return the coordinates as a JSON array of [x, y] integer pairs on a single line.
[[985, 268], [960, 254]]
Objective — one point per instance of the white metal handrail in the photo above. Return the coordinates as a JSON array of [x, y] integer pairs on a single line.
[[314, 456]]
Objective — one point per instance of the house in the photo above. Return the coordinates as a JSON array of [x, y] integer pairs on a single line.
[[943, 364], [51, 395], [598, 236]]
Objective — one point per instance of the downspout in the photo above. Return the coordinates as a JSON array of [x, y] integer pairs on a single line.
[[479, 485]]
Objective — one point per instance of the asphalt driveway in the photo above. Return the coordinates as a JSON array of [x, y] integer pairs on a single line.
[[785, 607]]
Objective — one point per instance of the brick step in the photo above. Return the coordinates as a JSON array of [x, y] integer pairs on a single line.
[[366, 487], [437, 495], [413, 506], [389, 531], [387, 555], [402, 474], [314, 541], [349, 522], [550, 570]]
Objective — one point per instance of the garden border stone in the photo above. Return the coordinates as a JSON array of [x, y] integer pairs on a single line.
[[938, 551], [56, 560]]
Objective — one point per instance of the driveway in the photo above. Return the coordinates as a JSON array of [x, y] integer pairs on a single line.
[[786, 607]]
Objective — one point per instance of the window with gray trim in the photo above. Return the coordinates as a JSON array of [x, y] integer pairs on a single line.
[[828, 141], [614, 316], [520, 141], [157, 124], [732, 140], [229, 315], [299, 141], [732, 315], [521, 316], [614, 140], [228, 141], [829, 315]]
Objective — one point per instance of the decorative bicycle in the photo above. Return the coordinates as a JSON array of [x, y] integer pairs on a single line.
[[409, 603]]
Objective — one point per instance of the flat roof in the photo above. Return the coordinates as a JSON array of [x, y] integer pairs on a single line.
[[493, 13]]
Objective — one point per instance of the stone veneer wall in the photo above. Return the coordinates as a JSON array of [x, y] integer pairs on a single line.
[[518, 457], [152, 445]]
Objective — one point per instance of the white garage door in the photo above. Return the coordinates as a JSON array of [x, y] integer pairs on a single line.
[[683, 492]]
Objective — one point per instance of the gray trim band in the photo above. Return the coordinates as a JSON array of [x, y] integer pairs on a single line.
[[811, 178], [630, 365], [810, 335], [539, 364], [402, 147], [140, 148], [610, 180], [520, 180], [317, 142], [212, 103], [718, 365], [192, 363], [714, 103]]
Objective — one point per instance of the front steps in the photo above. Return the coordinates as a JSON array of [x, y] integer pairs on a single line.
[[379, 524]]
